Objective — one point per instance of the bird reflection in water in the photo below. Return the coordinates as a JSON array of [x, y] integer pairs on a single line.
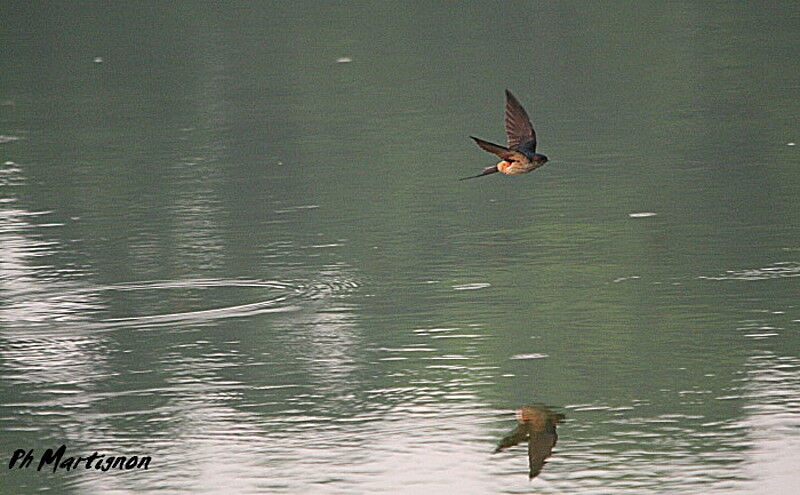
[[537, 425]]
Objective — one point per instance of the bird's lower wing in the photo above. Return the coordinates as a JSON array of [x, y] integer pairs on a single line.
[[516, 436], [501, 151], [540, 447]]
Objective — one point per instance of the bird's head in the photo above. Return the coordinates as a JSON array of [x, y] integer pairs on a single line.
[[539, 158]]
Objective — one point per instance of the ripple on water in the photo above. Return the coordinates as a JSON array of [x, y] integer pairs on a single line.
[[266, 296], [534, 355], [282, 296], [782, 269], [475, 286]]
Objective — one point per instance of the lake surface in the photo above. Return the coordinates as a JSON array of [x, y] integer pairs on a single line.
[[232, 239]]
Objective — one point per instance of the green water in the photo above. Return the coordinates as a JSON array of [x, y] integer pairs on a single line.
[[223, 247]]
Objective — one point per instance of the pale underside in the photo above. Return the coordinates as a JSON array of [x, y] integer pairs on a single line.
[[516, 167]]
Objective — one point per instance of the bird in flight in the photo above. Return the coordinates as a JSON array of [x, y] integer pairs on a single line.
[[520, 156], [537, 425]]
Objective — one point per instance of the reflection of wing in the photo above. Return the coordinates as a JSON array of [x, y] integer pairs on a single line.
[[518, 126], [537, 424], [517, 435], [501, 151], [540, 446]]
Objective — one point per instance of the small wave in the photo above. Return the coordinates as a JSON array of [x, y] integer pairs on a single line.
[[533, 355], [280, 297], [292, 209], [285, 296], [195, 284], [201, 316], [474, 286], [776, 270]]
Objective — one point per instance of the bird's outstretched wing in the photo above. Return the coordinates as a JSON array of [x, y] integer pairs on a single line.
[[501, 151], [518, 126], [517, 435], [540, 447]]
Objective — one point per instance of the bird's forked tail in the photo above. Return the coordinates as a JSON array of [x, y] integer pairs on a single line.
[[486, 171]]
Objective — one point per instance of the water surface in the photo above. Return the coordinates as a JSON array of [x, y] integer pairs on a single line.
[[232, 238]]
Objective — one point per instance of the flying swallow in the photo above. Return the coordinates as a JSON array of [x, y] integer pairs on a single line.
[[520, 156], [537, 425]]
